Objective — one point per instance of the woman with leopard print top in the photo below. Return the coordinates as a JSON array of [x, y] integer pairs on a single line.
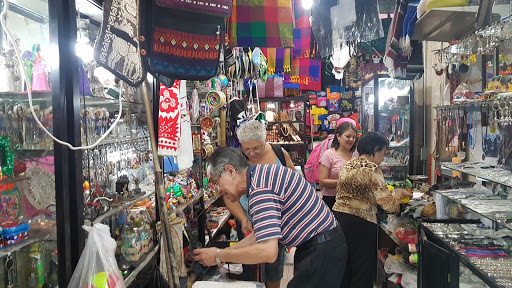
[[360, 189]]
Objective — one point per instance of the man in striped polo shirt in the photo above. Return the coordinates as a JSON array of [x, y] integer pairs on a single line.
[[284, 209]]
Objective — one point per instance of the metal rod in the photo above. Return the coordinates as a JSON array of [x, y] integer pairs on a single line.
[[160, 194]]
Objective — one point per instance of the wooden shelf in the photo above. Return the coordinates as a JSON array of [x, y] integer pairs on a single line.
[[284, 99]]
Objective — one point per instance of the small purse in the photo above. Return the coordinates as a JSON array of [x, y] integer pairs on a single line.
[[119, 46], [185, 46], [220, 8]]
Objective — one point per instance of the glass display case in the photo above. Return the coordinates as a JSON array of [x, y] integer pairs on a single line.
[[28, 221], [388, 105], [472, 228]]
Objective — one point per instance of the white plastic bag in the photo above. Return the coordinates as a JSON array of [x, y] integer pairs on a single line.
[[97, 266]]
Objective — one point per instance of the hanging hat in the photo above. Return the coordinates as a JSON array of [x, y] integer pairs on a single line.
[[237, 112]]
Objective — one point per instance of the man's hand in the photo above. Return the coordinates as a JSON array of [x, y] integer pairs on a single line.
[[247, 226], [206, 256]]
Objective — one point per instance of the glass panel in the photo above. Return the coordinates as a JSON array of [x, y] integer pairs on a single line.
[[118, 173], [27, 191], [367, 109], [393, 116]]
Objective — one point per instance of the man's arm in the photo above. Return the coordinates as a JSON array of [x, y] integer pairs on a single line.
[[236, 210], [265, 251], [248, 240]]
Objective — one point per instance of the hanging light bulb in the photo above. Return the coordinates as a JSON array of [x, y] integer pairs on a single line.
[[307, 4], [84, 51]]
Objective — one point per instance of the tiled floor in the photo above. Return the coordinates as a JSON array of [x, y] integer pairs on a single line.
[[288, 268]]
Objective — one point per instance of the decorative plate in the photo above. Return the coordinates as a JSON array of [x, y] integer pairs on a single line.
[[41, 192], [206, 123]]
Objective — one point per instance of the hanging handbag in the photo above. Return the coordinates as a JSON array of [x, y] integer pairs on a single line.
[[185, 46], [119, 46], [219, 8]]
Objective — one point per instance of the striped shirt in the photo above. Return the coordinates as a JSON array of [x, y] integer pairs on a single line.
[[283, 205]]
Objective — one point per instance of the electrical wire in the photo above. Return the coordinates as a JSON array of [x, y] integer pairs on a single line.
[[29, 90]]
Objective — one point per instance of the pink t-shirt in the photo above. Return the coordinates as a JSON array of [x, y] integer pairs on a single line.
[[334, 162]]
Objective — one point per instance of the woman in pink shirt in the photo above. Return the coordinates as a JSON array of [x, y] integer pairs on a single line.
[[343, 149]]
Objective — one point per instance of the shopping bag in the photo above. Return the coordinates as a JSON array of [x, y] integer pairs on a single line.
[[97, 266]]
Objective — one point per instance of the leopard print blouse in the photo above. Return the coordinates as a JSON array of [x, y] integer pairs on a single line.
[[361, 187]]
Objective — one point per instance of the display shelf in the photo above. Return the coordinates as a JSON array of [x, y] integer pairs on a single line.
[[462, 257], [117, 140], [403, 143], [391, 164], [464, 104], [447, 24], [210, 201], [394, 111], [99, 101], [14, 179], [36, 96], [496, 208], [283, 99], [222, 220], [287, 122], [8, 249], [37, 147], [140, 265], [123, 206], [492, 174], [190, 203]]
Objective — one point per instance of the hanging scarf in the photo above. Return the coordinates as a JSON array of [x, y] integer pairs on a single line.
[[408, 29], [302, 31], [306, 73], [169, 131], [279, 60], [261, 24], [395, 31], [185, 157]]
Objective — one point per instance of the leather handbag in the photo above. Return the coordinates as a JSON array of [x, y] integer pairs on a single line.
[[220, 8], [185, 46]]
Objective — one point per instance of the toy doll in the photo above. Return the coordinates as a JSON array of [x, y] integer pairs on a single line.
[[39, 76]]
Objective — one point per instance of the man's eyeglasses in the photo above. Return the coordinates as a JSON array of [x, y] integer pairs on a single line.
[[215, 183]]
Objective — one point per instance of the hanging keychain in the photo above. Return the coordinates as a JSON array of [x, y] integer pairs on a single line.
[[484, 137], [9, 267]]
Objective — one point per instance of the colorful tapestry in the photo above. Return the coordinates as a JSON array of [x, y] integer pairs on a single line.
[[169, 131], [302, 31], [261, 23], [306, 73]]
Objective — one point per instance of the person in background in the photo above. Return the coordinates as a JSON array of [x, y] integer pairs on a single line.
[[360, 190], [343, 149], [285, 210], [252, 135]]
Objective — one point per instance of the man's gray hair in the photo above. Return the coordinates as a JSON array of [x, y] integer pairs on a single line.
[[225, 156], [252, 130]]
